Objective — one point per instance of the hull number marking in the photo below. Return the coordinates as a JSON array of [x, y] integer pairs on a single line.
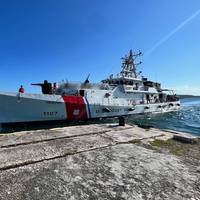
[[50, 113]]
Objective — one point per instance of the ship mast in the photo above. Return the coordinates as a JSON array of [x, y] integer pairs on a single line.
[[129, 65]]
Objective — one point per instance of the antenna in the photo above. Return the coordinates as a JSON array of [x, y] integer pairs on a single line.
[[138, 63], [138, 54], [129, 65], [87, 79]]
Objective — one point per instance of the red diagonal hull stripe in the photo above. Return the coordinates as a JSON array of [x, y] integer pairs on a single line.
[[75, 107]]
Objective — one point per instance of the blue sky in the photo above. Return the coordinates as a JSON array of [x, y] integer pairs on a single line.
[[67, 39]]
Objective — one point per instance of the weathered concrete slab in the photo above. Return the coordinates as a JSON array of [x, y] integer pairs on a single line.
[[185, 138], [26, 137], [92, 162], [124, 171], [66, 141], [134, 133], [27, 154]]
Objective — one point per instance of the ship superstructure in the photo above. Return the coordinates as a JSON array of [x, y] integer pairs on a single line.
[[125, 94]]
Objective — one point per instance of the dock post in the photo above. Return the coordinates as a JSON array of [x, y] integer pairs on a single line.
[[121, 121]]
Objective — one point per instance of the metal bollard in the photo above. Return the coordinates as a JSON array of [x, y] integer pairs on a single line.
[[121, 121]]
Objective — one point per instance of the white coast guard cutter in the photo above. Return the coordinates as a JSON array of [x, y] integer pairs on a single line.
[[123, 95]]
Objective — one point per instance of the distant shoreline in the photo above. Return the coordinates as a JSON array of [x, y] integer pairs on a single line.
[[188, 96]]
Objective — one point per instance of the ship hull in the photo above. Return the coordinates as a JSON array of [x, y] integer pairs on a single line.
[[26, 108], [15, 107]]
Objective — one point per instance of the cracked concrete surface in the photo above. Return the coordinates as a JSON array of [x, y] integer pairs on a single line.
[[92, 162]]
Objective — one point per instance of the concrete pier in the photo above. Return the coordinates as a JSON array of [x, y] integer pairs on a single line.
[[94, 162]]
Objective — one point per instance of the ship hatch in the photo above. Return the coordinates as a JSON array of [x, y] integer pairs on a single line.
[[82, 93], [106, 110]]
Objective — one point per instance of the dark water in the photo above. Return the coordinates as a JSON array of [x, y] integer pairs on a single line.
[[187, 119]]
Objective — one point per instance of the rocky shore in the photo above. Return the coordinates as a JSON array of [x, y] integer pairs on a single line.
[[99, 162]]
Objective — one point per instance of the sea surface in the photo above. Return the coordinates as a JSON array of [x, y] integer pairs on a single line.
[[185, 120]]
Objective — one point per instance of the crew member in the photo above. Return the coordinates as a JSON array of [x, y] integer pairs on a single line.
[[46, 87], [54, 88], [148, 98], [21, 89]]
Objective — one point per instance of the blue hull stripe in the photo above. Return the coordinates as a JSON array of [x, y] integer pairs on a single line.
[[88, 107]]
